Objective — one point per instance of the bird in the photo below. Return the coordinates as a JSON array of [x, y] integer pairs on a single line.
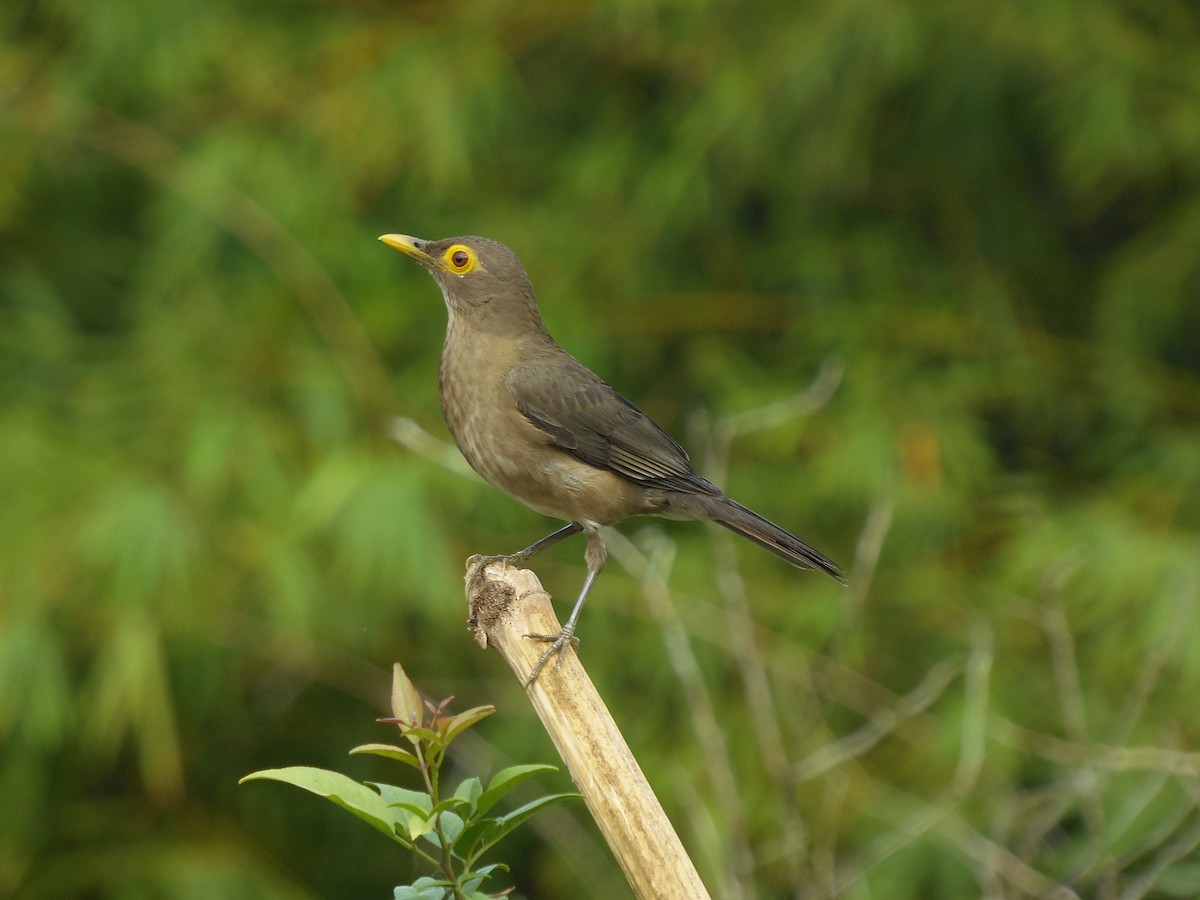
[[536, 423]]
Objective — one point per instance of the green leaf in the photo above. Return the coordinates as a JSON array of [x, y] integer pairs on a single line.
[[469, 792], [475, 838], [414, 822], [471, 881], [505, 824], [457, 805], [345, 792], [412, 810], [505, 780], [421, 733], [397, 796], [452, 826], [406, 701], [424, 889], [390, 751], [464, 720]]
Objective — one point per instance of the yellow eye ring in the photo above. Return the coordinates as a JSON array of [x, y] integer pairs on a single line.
[[460, 259]]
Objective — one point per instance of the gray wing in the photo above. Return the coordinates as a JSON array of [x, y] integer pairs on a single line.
[[588, 419]]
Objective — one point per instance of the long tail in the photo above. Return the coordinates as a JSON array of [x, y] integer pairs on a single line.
[[767, 534]]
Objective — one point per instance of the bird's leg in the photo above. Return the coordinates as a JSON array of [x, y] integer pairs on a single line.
[[596, 556], [549, 540], [479, 561]]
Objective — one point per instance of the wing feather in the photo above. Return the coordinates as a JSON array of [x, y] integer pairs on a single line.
[[588, 419]]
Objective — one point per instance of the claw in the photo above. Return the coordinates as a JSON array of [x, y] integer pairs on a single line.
[[479, 562], [558, 643]]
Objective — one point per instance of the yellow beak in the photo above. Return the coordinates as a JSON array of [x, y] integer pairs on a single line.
[[407, 244]]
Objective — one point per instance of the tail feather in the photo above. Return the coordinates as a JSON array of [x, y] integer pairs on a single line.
[[770, 536]]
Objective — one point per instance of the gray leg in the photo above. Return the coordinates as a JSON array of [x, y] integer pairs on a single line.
[[596, 556], [548, 541], [521, 556]]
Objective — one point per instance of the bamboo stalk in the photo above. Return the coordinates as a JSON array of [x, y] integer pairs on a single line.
[[506, 605]]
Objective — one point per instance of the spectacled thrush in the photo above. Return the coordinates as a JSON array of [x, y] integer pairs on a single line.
[[533, 421]]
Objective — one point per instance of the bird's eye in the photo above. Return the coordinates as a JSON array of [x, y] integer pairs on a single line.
[[460, 259]]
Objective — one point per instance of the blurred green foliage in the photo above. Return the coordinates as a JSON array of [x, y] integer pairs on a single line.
[[981, 222]]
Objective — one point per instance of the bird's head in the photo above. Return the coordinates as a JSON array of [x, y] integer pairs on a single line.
[[481, 280]]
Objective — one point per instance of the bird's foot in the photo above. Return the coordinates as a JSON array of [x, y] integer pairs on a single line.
[[479, 562], [558, 643]]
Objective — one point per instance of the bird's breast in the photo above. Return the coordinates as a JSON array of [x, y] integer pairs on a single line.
[[509, 451]]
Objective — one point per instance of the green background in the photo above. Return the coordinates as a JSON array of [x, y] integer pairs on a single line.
[[919, 281]]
